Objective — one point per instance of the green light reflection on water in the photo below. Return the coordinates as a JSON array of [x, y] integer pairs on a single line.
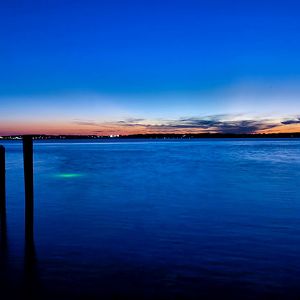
[[69, 175]]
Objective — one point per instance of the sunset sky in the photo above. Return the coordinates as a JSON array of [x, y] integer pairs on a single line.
[[123, 67]]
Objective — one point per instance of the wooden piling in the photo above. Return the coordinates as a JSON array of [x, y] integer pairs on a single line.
[[28, 177], [2, 180]]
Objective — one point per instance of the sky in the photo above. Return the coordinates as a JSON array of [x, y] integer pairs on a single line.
[[126, 67]]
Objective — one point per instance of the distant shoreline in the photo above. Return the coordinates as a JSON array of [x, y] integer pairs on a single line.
[[155, 136]]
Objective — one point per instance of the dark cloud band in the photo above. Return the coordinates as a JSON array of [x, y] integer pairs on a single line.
[[214, 123]]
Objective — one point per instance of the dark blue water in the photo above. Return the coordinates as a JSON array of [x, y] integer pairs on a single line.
[[159, 219]]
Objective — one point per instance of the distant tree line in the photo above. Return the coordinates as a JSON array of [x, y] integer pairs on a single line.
[[160, 136]]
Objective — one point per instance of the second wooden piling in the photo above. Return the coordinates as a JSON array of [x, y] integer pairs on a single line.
[[28, 177]]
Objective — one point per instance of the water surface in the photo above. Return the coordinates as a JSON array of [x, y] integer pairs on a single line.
[[158, 219]]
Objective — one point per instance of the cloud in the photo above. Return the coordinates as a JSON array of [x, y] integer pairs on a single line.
[[215, 123], [293, 121], [86, 123], [222, 123], [130, 121]]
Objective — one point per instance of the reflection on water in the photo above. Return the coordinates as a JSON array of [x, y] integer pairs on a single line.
[[3, 238], [31, 281], [68, 175], [156, 220], [13, 284], [3, 251]]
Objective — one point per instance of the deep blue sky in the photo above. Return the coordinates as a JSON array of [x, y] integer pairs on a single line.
[[202, 57]]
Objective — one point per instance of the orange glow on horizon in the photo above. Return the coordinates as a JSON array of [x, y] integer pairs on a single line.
[[291, 128], [105, 129]]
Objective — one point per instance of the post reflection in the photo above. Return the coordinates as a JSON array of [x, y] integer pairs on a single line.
[[3, 253], [3, 230], [31, 276]]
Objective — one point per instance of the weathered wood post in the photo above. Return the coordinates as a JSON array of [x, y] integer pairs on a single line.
[[2, 180], [28, 178]]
